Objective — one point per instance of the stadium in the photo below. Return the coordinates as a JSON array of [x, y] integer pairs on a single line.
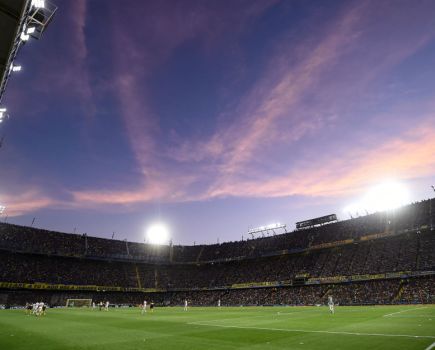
[[362, 282]]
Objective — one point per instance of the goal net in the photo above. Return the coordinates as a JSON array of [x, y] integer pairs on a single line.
[[78, 302]]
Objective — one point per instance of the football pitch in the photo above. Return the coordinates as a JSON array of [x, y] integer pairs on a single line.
[[378, 327]]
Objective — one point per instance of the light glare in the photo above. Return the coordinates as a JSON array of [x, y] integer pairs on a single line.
[[158, 234], [24, 36], [385, 196], [38, 3]]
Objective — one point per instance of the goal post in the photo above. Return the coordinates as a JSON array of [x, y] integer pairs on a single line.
[[78, 302]]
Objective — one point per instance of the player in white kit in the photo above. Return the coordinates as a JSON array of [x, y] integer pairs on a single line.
[[219, 303], [185, 304], [35, 308], [144, 307], [331, 304], [106, 307]]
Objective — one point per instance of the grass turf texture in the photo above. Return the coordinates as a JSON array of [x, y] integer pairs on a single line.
[[380, 327]]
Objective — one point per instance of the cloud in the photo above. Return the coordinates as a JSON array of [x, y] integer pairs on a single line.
[[25, 202], [273, 115], [309, 125], [402, 158]]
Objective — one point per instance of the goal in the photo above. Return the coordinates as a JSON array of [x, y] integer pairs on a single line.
[[78, 302]]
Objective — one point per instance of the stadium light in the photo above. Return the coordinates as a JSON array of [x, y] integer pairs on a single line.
[[38, 3], [2, 209], [15, 68], [2, 114], [158, 233], [385, 196], [30, 30], [267, 229], [24, 36]]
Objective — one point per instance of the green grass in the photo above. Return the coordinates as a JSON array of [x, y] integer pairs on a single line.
[[407, 327]]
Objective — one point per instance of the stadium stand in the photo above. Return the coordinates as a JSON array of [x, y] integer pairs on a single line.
[[375, 259]]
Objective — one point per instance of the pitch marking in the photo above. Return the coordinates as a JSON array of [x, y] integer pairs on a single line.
[[399, 312], [313, 331]]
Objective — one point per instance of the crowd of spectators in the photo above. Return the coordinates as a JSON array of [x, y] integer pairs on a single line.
[[33, 268], [27, 239], [390, 254], [377, 292], [35, 240], [30, 255], [416, 291]]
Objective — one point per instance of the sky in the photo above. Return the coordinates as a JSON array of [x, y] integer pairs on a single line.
[[217, 116]]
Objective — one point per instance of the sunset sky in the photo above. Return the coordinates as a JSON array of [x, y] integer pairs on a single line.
[[216, 116]]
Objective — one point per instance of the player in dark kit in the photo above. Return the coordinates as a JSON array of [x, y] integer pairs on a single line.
[[152, 307], [28, 309]]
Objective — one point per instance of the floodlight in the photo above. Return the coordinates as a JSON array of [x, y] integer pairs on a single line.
[[30, 30], [267, 228], [24, 36], [38, 3], [3, 109], [15, 68], [158, 234]]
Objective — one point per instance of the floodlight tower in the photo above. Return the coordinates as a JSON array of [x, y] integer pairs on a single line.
[[21, 20]]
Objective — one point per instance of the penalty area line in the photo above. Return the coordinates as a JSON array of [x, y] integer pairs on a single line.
[[314, 331], [431, 346]]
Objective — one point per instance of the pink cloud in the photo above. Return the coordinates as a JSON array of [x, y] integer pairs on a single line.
[[25, 202], [407, 157], [227, 160], [271, 119]]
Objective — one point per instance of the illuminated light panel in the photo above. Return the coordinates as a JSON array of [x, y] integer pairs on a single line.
[[158, 234], [385, 196], [38, 3], [24, 36], [266, 228], [30, 30]]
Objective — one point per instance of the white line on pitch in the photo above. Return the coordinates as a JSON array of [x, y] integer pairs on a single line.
[[431, 346], [399, 312], [246, 317], [415, 316], [313, 331]]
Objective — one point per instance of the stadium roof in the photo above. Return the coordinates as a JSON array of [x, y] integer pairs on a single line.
[[15, 17]]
